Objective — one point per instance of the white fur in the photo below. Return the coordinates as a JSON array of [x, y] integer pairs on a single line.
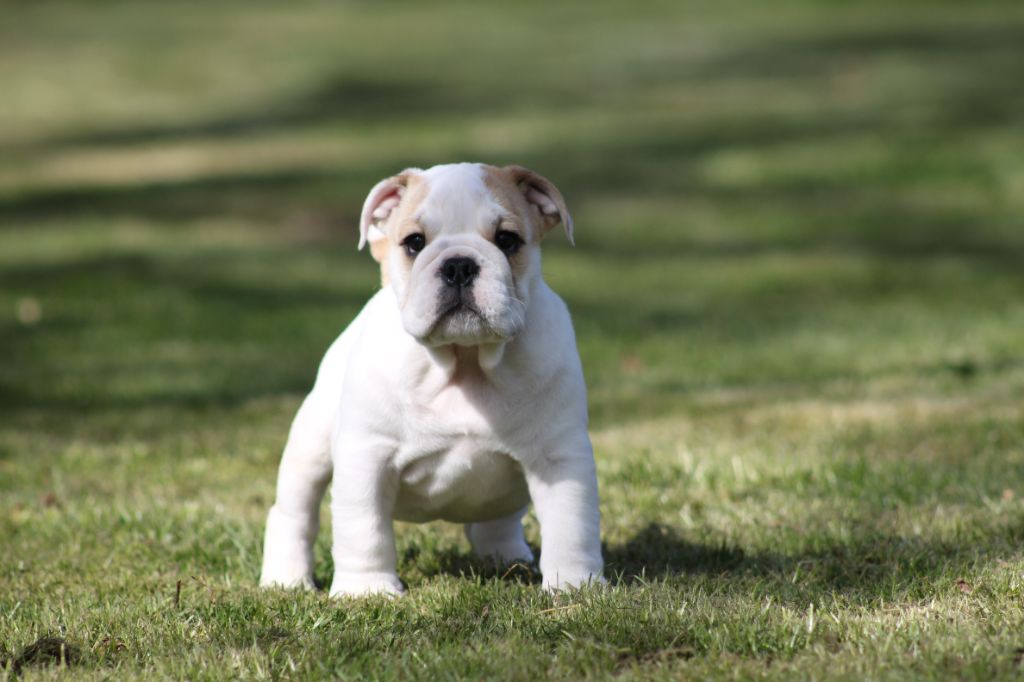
[[469, 425]]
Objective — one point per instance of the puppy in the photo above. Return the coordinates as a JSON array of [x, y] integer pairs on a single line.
[[457, 393]]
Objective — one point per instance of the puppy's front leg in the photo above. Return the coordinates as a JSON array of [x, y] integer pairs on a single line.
[[564, 494], [294, 519], [362, 504]]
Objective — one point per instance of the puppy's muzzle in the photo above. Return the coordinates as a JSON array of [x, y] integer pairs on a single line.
[[459, 272]]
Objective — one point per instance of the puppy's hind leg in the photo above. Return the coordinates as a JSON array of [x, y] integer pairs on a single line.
[[500, 540], [294, 520]]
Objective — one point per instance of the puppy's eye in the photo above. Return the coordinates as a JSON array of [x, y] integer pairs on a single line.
[[414, 243], [509, 242]]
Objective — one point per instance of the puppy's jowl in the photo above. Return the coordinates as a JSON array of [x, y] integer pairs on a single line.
[[456, 393]]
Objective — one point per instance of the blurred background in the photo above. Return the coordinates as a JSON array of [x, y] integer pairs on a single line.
[[765, 193], [788, 201]]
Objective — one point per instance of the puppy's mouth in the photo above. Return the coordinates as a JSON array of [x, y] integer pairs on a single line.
[[460, 321], [459, 307], [457, 302]]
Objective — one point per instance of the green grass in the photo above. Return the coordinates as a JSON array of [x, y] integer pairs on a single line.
[[798, 290]]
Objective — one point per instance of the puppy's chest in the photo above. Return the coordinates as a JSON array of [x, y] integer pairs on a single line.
[[471, 412], [454, 465]]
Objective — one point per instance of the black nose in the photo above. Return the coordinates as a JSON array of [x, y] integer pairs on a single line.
[[459, 272]]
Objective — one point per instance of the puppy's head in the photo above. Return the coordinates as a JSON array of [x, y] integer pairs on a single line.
[[460, 245]]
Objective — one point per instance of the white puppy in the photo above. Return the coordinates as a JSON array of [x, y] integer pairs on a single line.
[[456, 393]]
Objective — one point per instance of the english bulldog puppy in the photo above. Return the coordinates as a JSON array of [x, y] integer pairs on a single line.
[[456, 394]]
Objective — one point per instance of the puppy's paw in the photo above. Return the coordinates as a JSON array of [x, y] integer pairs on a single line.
[[504, 553], [287, 575], [287, 569], [500, 541], [287, 551], [366, 584], [555, 581]]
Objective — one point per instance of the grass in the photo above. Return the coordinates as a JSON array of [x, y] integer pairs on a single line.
[[797, 291]]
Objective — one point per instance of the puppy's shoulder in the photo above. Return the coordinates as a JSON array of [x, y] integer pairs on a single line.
[[549, 343], [335, 361], [551, 314]]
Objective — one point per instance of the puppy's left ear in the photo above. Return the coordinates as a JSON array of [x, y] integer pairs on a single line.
[[379, 205], [542, 194]]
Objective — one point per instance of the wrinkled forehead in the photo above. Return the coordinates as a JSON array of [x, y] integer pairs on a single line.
[[456, 198]]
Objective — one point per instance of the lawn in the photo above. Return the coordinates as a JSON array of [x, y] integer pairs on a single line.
[[798, 288]]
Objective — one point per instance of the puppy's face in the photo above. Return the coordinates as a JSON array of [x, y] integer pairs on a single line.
[[460, 245]]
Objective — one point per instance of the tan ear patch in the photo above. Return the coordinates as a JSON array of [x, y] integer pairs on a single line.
[[502, 187], [524, 189], [388, 202]]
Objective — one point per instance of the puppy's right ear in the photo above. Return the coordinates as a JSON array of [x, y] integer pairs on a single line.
[[380, 204], [542, 193]]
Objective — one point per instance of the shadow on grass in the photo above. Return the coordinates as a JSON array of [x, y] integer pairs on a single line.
[[877, 224], [658, 551], [655, 551], [243, 195], [338, 100], [225, 340], [865, 215], [390, 98], [47, 651], [144, 301], [862, 570], [817, 53], [865, 568], [456, 562], [637, 160]]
